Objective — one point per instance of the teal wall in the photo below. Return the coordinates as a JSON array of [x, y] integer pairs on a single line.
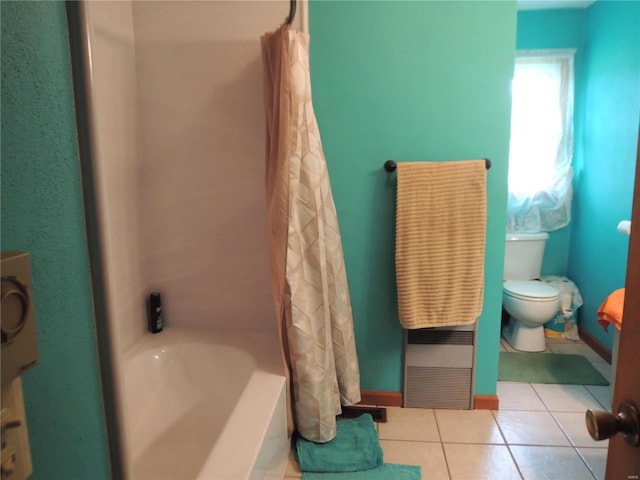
[[607, 107], [548, 29], [42, 214], [410, 81], [606, 167]]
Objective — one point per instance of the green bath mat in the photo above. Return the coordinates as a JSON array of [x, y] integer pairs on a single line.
[[388, 471], [354, 454], [548, 368], [355, 447]]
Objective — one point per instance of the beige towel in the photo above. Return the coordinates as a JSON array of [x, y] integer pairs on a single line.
[[440, 242]]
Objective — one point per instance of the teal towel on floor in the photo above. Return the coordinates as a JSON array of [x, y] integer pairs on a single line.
[[388, 471], [356, 447]]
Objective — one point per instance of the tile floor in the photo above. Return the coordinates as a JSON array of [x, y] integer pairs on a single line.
[[537, 433]]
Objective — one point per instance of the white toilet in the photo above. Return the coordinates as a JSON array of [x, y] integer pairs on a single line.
[[529, 302]]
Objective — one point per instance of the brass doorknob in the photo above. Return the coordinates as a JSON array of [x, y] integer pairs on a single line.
[[603, 425]]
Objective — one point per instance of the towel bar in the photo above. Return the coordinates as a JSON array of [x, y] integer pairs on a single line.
[[391, 165]]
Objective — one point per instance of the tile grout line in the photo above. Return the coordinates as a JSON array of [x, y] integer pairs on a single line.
[[571, 446], [551, 412], [494, 444], [584, 460], [513, 458], [444, 452], [571, 443], [607, 409], [446, 459], [539, 397]]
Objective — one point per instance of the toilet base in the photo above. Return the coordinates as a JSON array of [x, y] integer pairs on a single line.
[[525, 338]]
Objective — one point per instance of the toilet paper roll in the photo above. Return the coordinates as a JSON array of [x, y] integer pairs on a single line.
[[625, 227]]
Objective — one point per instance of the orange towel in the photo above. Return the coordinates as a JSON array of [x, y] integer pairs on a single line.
[[610, 312]]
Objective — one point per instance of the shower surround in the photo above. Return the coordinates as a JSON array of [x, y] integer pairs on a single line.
[[176, 132], [223, 421]]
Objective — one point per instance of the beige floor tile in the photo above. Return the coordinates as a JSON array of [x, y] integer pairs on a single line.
[[293, 468], [508, 348], [596, 460], [506, 345], [429, 455], [530, 428], [602, 394], [413, 424], [573, 425], [577, 349], [468, 426], [518, 396], [543, 463], [566, 398], [560, 340], [480, 462]]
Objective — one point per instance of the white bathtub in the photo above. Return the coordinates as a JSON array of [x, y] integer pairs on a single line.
[[204, 405]]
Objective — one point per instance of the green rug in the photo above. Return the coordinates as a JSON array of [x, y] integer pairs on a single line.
[[354, 454], [548, 368], [387, 471]]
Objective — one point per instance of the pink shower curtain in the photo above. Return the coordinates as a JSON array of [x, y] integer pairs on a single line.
[[307, 264]]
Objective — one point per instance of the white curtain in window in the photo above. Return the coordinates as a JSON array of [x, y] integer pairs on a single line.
[[541, 147]]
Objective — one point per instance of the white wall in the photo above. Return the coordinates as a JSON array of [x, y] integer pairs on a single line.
[[113, 114], [177, 132], [179, 144], [179, 148], [201, 158], [115, 129]]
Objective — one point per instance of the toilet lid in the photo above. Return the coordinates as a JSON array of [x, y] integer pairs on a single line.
[[529, 289]]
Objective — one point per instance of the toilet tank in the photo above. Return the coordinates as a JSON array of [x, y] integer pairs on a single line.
[[523, 255]]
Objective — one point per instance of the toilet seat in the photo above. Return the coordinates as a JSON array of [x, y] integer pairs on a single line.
[[530, 290]]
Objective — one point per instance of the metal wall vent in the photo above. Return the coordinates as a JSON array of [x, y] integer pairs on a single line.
[[379, 414], [439, 366], [430, 336], [437, 387]]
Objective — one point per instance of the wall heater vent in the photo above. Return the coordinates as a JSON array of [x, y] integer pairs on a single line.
[[428, 336], [439, 367], [438, 387]]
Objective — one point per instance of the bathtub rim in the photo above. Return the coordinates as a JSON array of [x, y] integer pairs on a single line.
[[268, 372], [262, 346]]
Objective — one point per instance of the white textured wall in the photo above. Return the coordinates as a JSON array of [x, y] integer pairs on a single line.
[[114, 141], [201, 158], [113, 116]]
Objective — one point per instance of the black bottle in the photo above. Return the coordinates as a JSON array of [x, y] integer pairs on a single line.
[[154, 311]]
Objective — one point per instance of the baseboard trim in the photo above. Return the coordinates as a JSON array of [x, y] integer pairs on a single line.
[[388, 399], [595, 344], [394, 399], [485, 402]]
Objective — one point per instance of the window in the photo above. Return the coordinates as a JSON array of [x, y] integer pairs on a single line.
[[541, 146]]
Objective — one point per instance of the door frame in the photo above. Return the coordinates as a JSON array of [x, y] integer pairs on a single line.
[[623, 461]]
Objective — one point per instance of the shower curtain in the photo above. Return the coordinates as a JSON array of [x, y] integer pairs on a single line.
[[307, 264]]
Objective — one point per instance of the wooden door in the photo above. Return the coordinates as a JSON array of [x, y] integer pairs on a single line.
[[623, 461]]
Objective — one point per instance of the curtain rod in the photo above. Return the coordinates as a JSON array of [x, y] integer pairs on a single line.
[[292, 11], [391, 165]]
